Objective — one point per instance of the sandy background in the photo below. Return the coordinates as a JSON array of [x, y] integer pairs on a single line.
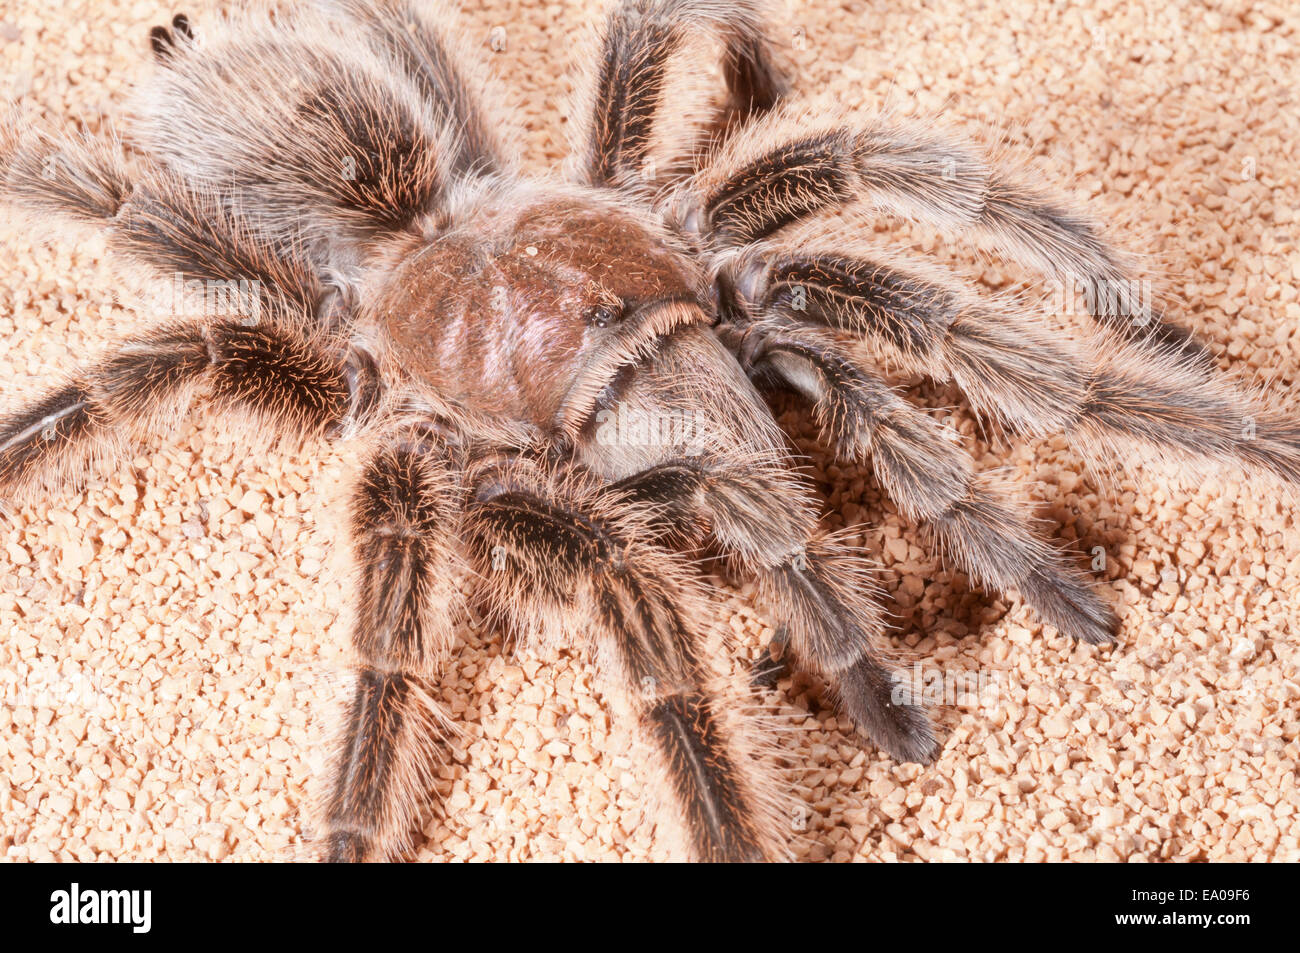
[[165, 635]]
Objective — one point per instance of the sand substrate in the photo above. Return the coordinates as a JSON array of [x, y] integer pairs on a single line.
[[166, 636]]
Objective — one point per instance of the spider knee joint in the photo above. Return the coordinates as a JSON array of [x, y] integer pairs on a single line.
[[365, 389], [750, 278], [688, 217]]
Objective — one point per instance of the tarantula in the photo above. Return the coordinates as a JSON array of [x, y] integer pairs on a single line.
[[489, 336]]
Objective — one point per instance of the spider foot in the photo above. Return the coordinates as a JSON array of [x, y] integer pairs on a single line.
[[773, 663], [166, 42]]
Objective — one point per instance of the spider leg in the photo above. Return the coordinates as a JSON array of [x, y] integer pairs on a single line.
[[281, 381], [777, 172], [558, 558], [821, 591], [420, 40], [633, 88], [257, 349], [404, 515], [175, 230], [1014, 371], [352, 149], [933, 481]]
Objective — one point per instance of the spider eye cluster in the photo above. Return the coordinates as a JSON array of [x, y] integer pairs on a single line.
[[603, 315]]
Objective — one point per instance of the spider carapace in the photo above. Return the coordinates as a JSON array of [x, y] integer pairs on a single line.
[[556, 381], [504, 313]]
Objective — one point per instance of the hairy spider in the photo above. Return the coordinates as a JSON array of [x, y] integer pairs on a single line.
[[490, 337]]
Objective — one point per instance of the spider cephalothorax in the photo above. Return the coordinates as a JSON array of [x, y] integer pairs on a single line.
[[555, 380], [534, 301]]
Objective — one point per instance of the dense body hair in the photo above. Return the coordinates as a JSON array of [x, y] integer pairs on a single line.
[[557, 385]]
